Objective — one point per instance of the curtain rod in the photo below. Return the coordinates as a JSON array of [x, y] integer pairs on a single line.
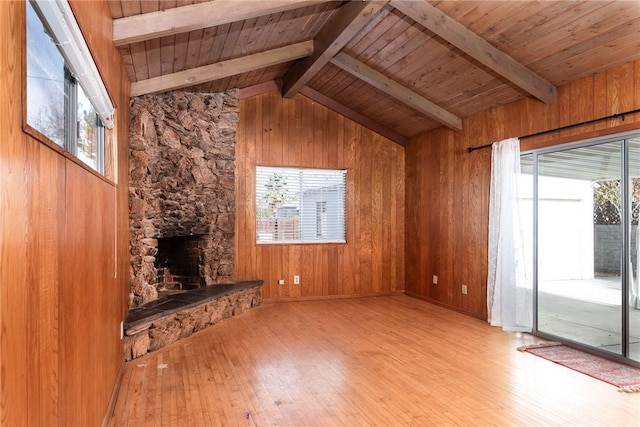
[[588, 122]]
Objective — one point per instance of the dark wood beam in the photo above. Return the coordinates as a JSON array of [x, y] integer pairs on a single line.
[[222, 69], [259, 89], [344, 25], [396, 90], [354, 115], [478, 48]]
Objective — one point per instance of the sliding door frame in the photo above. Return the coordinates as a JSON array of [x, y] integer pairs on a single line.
[[626, 241]]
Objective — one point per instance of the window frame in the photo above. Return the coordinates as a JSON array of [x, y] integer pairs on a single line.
[[308, 241], [69, 148]]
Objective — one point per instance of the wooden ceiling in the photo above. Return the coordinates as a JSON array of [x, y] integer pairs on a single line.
[[400, 67]]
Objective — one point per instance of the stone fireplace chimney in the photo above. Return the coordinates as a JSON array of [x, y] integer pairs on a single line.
[[182, 191]]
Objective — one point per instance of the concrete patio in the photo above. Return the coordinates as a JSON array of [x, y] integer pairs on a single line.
[[589, 312]]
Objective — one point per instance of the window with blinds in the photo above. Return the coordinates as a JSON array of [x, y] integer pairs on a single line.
[[300, 205]]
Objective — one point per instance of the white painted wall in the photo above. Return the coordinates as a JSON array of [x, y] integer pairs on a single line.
[[334, 204], [565, 230]]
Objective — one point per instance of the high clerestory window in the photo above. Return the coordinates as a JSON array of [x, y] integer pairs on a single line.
[[300, 205], [66, 100]]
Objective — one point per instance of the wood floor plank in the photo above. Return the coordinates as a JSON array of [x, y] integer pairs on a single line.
[[120, 405], [354, 362]]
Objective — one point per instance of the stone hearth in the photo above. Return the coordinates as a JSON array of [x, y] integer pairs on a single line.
[[182, 184], [171, 318]]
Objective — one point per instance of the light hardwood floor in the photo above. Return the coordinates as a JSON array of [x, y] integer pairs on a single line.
[[385, 361]]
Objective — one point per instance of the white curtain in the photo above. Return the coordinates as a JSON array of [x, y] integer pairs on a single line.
[[509, 289]]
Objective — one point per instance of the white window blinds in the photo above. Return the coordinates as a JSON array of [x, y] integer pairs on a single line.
[[300, 205]]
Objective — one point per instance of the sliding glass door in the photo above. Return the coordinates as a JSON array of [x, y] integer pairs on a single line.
[[585, 215]]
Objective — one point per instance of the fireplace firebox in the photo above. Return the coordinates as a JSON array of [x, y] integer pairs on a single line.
[[179, 264]]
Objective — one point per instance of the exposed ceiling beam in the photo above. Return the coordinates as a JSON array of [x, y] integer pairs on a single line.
[[396, 90], [335, 34], [478, 48], [354, 115], [320, 98], [222, 69], [259, 89], [197, 16]]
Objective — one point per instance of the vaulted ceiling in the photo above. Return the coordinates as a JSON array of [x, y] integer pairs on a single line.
[[400, 67]]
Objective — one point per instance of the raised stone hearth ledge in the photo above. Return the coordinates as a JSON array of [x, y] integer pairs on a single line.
[[169, 319]]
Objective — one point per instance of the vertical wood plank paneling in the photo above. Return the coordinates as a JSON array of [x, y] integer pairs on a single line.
[[295, 260], [63, 279], [400, 215], [636, 84], [377, 221], [365, 205], [246, 130], [301, 133], [600, 99], [388, 209], [257, 132], [295, 139], [319, 127], [430, 244], [582, 96], [287, 122], [463, 234], [447, 189], [44, 284], [308, 132], [636, 90], [620, 93], [14, 184], [357, 187], [274, 120], [447, 177], [350, 158], [411, 253], [106, 238], [74, 301], [267, 147]]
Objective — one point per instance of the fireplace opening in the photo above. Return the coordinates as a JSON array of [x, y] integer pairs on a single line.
[[178, 264]]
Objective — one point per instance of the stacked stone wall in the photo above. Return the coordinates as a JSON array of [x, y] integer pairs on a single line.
[[182, 182]]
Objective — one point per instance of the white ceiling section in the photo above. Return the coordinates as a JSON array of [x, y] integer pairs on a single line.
[[590, 163]]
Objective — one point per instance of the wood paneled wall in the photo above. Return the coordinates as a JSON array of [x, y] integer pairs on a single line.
[[447, 188], [63, 250], [301, 133]]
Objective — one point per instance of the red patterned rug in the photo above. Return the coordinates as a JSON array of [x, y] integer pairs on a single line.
[[626, 378]]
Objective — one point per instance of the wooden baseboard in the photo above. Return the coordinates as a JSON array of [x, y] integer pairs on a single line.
[[327, 297], [114, 396], [441, 304]]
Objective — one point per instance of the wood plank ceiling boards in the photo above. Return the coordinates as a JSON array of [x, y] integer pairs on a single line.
[[401, 67], [195, 17], [479, 49]]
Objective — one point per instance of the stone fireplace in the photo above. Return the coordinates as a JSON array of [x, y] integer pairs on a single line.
[[182, 192]]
